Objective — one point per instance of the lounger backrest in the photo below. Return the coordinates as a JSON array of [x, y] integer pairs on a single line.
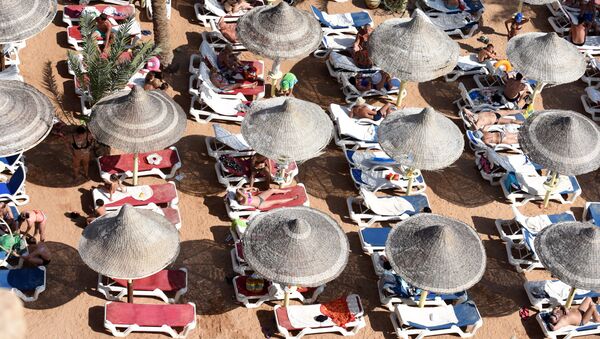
[[205, 76], [218, 103], [24, 279], [209, 54], [235, 141], [319, 15], [16, 181], [214, 7], [10, 73]]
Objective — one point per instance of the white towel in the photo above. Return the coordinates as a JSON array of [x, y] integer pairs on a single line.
[[366, 158], [537, 223], [558, 290], [469, 62], [534, 184], [235, 141], [340, 20], [428, 316], [351, 127], [303, 316], [593, 93], [386, 206], [338, 41]]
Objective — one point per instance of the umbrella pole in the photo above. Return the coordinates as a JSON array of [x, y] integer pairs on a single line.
[[2, 60], [422, 298], [411, 175], [401, 92], [286, 299], [550, 186], [520, 8], [130, 291], [275, 75], [536, 92], [570, 298], [135, 168]]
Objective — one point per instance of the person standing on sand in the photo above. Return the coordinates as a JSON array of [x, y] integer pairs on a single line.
[[34, 219], [81, 147], [515, 24]]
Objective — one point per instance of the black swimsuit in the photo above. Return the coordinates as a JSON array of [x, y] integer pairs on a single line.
[[77, 147]]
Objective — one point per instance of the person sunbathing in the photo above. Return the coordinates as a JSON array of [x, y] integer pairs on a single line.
[[219, 81], [259, 167], [360, 48], [483, 119], [515, 88], [362, 111], [99, 211], [575, 316], [235, 6], [244, 196], [35, 219], [500, 137], [103, 31], [516, 24], [113, 185], [578, 33], [39, 255], [377, 81], [486, 53], [228, 62], [228, 30]]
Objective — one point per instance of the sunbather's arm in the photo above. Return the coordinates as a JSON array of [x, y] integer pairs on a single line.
[[506, 24]]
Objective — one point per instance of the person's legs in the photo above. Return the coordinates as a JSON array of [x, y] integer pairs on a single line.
[[589, 313], [510, 138], [85, 162], [76, 163], [40, 227], [275, 202], [585, 304]]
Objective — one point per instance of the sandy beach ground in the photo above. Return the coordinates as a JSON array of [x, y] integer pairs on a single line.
[[71, 308]]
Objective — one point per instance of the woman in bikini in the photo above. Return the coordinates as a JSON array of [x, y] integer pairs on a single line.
[[37, 220], [81, 146], [575, 316], [113, 185], [483, 119], [259, 167], [244, 196]]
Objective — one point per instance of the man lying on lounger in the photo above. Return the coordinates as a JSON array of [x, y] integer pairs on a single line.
[[245, 197], [362, 111], [221, 82], [498, 137], [483, 119], [575, 316]]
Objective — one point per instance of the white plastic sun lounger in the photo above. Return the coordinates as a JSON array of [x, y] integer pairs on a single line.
[[271, 292], [567, 332], [528, 185], [368, 208], [351, 132], [352, 93], [149, 8], [207, 105], [11, 73], [338, 64], [237, 211], [476, 143], [592, 73], [462, 319], [212, 10], [334, 42], [591, 101], [174, 282], [225, 142], [545, 294], [374, 179], [462, 24], [342, 23], [512, 230], [468, 65], [480, 98], [14, 189]]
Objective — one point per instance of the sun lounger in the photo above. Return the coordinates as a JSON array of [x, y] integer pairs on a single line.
[[10, 52], [209, 55], [218, 41], [208, 105], [512, 230], [476, 143], [11, 73], [26, 283], [123, 164], [301, 319], [143, 195], [592, 73], [352, 93], [75, 38], [339, 64], [72, 13], [591, 212], [478, 98], [372, 239], [590, 328], [351, 132], [11, 163], [394, 290], [468, 65], [238, 261], [375, 179], [231, 170], [8, 259], [558, 5], [367, 209], [524, 186], [367, 158], [237, 211], [123, 318], [342, 23], [591, 102], [439, 6], [271, 292], [212, 10], [463, 24], [157, 285], [563, 20], [462, 319], [14, 189], [591, 45], [470, 126], [204, 75], [334, 42], [149, 9], [225, 142], [545, 294]]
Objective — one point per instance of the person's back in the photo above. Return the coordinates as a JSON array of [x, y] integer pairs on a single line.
[[513, 87], [578, 33]]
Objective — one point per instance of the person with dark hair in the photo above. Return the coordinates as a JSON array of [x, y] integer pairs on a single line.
[[39, 255], [487, 53], [514, 88], [35, 219], [113, 185], [515, 24], [103, 31], [575, 316], [81, 147], [578, 32], [360, 48], [99, 211], [259, 166]]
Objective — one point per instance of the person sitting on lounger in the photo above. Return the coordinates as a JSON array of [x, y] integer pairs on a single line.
[[219, 81], [228, 30], [377, 81], [286, 86], [578, 33], [103, 31], [516, 24], [35, 219], [498, 137], [259, 166], [113, 185], [39, 255], [452, 4], [235, 6], [99, 211], [483, 119], [245, 197], [228, 62], [360, 48], [588, 13], [575, 316], [6, 214], [515, 88], [362, 111], [487, 53]]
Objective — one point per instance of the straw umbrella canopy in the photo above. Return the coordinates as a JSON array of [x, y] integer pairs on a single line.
[[296, 246], [546, 58], [436, 253], [571, 251], [27, 117], [279, 32], [420, 138], [20, 20], [12, 315], [412, 50], [287, 129], [137, 121], [129, 244], [564, 142]]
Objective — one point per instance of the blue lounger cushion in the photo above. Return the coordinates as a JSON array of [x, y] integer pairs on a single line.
[[23, 279], [11, 160], [404, 290], [376, 236], [466, 313], [15, 182], [593, 213], [359, 19], [374, 160], [357, 175]]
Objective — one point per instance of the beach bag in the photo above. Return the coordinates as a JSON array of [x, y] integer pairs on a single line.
[[255, 284]]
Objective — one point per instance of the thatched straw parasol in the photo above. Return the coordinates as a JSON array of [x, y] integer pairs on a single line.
[[420, 139], [287, 129], [412, 50], [546, 58], [571, 251], [137, 121], [279, 32], [20, 20], [564, 142], [129, 244], [26, 114], [296, 246], [436, 253]]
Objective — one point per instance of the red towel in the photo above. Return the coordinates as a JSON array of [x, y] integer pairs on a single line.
[[338, 311]]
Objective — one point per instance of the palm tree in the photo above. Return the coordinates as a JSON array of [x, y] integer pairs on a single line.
[[160, 23]]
